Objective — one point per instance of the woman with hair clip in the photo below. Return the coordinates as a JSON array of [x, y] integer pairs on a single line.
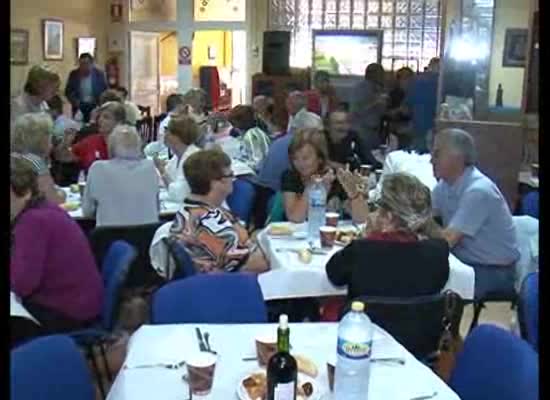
[[52, 268]]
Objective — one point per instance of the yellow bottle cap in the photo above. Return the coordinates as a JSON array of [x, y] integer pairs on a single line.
[[358, 306]]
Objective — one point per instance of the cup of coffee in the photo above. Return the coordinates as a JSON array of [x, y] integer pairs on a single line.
[[378, 173], [200, 372], [535, 170], [331, 365], [81, 188], [331, 219], [266, 346], [328, 236], [365, 169]]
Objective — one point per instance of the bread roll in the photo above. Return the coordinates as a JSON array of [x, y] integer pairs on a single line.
[[306, 366]]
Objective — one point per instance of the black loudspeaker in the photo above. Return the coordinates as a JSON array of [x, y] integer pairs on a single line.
[[276, 54]]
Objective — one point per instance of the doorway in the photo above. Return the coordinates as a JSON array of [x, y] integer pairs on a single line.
[[225, 50]]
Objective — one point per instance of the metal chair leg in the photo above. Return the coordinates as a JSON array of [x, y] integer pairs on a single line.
[[478, 306]]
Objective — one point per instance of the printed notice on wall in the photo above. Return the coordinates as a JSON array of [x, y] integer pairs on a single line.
[[220, 10]]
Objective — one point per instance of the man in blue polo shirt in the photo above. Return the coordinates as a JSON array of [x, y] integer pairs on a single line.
[[476, 218]]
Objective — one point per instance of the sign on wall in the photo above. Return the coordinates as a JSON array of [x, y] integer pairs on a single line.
[[184, 55], [220, 10]]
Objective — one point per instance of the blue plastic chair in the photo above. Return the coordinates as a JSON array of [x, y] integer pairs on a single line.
[[496, 365], [528, 309], [222, 298], [530, 204], [241, 200], [184, 263], [50, 368]]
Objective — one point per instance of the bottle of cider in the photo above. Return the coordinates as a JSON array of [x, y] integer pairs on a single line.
[[282, 370]]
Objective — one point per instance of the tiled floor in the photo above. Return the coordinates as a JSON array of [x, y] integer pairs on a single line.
[[494, 313]]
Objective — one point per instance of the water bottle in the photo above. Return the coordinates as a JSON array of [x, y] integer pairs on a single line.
[[352, 372], [317, 208]]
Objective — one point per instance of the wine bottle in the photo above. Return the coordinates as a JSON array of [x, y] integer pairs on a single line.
[[282, 370]]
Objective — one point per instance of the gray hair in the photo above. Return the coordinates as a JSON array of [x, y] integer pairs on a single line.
[[124, 142], [29, 132], [460, 142], [306, 120]]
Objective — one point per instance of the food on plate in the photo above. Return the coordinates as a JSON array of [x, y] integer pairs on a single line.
[[305, 256], [346, 236], [74, 188], [306, 366], [256, 387], [70, 206], [280, 230]]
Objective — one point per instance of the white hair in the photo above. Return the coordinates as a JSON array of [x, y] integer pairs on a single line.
[[29, 132], [124, 142], [306, 120], [460, 142]]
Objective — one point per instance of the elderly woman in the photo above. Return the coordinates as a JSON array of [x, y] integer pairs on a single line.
[[52, 268], [308, 155], [403, 252], [123, 190], [181, 134], [214, 237], [41, 85], [94, 147], [31, 139]]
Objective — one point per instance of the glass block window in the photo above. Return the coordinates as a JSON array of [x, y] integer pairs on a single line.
[[411, 27]]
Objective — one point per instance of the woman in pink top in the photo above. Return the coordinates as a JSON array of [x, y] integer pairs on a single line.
[[52, 268]]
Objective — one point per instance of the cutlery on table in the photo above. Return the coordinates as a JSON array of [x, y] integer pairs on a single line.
[[202, 345], [208, 348], [397, 360], [158, 365], [426, 397]]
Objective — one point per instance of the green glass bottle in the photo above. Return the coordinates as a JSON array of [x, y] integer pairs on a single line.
[[282, 370]]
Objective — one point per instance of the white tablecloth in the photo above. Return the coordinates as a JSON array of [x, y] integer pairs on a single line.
[[18, 310], [290, 278], [171, 344]]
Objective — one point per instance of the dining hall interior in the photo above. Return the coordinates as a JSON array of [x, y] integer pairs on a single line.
[[274, 199]]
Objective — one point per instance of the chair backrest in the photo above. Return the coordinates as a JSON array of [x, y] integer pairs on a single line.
[[156, 124], [145, 129], [222, 298], [495, 364], [50, 368], [116, 266], [530, 204], [140, 236], [182, 260], [415, 322], [241, 199], [528, 309]]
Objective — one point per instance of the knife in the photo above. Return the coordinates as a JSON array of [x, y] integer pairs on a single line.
[[202, 346]]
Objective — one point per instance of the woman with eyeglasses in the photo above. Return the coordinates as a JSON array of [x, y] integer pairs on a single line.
[[402, 253], [213, 236]]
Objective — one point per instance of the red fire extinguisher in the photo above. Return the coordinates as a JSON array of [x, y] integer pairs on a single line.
[[112, 71]]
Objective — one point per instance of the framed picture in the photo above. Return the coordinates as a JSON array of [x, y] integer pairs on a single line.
[[86, 45], [515, 48], [19, 47], [53, 39]]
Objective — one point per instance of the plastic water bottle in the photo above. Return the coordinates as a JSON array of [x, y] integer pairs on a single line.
[[317, 208], [352, 373]]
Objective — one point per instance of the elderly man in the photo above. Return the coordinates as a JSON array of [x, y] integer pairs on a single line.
[[477, 222], [84, 86], [296, 105]]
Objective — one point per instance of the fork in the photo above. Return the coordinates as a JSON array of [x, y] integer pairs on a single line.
[[159, 365], [426, 397]]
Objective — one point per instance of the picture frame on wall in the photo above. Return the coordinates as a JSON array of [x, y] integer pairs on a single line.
[[86, 45], [52, 32], [19, 46], [515, 48]]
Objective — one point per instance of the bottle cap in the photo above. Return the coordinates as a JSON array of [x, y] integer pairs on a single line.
[[357, 306], [283, 321]]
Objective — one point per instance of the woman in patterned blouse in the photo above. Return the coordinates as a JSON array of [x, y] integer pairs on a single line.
[[213, 236]]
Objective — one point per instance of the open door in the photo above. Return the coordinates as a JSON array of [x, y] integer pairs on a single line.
[[144, 69]]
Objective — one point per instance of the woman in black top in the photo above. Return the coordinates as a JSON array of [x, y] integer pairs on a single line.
[[402, 253], [308, 156]]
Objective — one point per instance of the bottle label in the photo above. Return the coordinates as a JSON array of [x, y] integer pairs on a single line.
[[284, 391], [354, 350]]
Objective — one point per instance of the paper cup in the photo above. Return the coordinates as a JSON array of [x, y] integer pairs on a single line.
[[266, 346], [81, 188], [331, 219], [365, 169], [378, 173], [200, 372], [328, 236], [535, 170]]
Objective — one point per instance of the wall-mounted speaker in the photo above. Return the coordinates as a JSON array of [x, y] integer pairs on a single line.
[[276, 53]]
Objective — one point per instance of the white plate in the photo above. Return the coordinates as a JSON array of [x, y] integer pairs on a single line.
[[302, 378], [300, 235]]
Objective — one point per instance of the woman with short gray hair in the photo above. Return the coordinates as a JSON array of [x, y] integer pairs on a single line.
[[123, 190], [31, 140]]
